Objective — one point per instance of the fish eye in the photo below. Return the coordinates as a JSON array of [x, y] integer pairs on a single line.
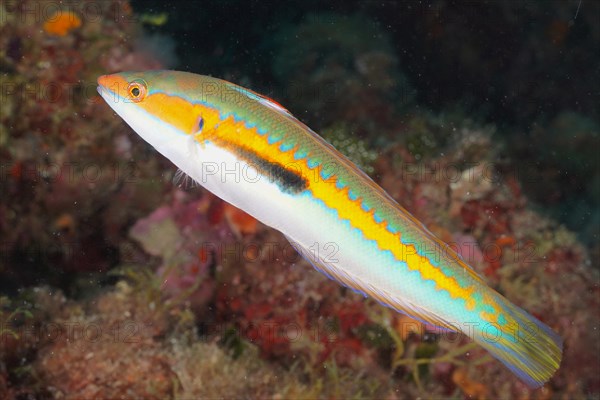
[[199, 124], [137, 90]]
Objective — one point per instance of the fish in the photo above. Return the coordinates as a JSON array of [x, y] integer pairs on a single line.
[[254, 154]]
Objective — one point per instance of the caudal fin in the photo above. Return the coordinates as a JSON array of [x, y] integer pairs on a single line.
[[527, 346]]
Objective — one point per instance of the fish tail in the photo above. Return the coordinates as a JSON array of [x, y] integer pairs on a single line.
[[527, 346]]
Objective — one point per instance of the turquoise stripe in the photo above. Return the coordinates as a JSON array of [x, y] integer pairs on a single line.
[[398, 271]]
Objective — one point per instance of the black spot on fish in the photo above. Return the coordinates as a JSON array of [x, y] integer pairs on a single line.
[[288, 181]]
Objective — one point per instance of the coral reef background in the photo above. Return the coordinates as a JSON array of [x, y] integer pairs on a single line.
[[118, 277]]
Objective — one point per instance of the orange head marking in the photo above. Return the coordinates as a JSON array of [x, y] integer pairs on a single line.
[[170, 106]]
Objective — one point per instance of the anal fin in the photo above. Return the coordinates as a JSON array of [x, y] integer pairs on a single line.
[[356, 283]]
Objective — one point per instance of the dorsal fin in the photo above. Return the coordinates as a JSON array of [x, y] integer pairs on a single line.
[[264, 100]]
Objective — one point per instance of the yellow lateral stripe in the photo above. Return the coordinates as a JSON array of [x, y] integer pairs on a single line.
[[179, 112], [236, 134]]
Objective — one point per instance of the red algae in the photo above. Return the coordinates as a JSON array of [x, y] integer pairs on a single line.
[[57, 144]]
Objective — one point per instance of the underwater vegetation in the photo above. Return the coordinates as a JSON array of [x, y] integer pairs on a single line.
[[59, 148], [120, 278]]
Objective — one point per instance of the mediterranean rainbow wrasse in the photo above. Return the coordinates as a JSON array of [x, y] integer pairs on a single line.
[[333, 213]]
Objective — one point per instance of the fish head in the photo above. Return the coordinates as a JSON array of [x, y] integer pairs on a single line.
[[164, 107]]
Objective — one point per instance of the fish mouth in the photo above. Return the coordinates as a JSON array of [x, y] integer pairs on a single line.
[[108, 95], [115, 88], [103, 92], [103, 80], [103, 86]]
